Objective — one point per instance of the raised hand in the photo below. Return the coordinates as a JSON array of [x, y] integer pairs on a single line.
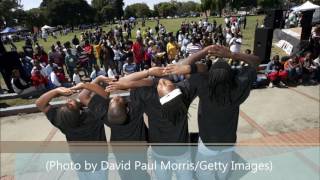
[[219, 51]]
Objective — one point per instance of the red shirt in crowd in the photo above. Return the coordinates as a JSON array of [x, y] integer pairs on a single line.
[[37, 79], [138, 51]]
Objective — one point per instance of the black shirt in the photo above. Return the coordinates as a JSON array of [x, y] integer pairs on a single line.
[[164, 130], [91, 128], [134, 129], [218, 124]]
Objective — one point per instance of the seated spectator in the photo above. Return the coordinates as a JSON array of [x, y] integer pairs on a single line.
[[308, 69], [38, 80], [76, 79], [50, 66], [316, 63], [129, 67], [39, 67], [112, 71], [97, 72], [276, 73], [22, 88], [294, 68], [62, 78], [54, 79]]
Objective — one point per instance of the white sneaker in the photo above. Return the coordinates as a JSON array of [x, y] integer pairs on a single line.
[[270, 85], [282, 84]]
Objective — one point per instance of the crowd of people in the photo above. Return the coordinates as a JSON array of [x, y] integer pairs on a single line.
[[113, 54]]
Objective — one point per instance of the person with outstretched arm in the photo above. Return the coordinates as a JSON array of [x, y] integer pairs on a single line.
[[166, 105], [221, 91], [79, 123]]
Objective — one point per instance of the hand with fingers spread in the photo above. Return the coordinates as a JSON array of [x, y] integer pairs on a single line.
[[178, 69]]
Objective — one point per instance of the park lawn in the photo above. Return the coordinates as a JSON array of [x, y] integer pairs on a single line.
[[172, 25]]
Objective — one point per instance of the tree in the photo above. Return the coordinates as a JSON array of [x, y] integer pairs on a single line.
[[107, 12], [99, 4], [269, 4], [165, 9], [8, 13], [118, 8], [36, 17], [213, 5], [186, 7], [69, 12], [137, 10]]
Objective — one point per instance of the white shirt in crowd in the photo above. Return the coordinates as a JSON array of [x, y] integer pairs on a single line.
[[112, 73], [76, 78], [54, 79], [235, 44], [95, 74], [193, 48], [49, 69], [228, 37], [138, 33]]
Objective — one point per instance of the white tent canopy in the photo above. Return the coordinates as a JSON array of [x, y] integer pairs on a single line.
[[305, 7], [46, 27]]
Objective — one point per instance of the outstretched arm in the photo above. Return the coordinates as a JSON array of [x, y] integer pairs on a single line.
[[43, 101], [224, 52], [124, 85], [196, 57], [155, 71]]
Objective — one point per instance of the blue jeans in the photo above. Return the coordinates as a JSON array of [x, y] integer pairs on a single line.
[[165, 174]]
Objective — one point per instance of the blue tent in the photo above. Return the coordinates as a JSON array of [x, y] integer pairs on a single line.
[[8, 30]]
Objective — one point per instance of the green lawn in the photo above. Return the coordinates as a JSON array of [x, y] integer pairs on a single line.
[[172, 25]]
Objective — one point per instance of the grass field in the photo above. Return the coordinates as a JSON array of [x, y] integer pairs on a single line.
[[172, 25]]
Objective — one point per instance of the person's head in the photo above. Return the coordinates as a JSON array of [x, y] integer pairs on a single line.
[[139, 39], [221, 82], [308, 56], [171, 99], [55, 69], [58, 43], [248, 51], [76, 71], [52, 48], [68, 115], [96, 67], [117, 111], [276, 58], [15, 73]]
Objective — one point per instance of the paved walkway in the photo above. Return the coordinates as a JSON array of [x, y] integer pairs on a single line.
[[269, 116]]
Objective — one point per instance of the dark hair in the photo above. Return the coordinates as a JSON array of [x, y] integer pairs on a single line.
[[117, 115], [221, 82], [174, 109], [67, 118]]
